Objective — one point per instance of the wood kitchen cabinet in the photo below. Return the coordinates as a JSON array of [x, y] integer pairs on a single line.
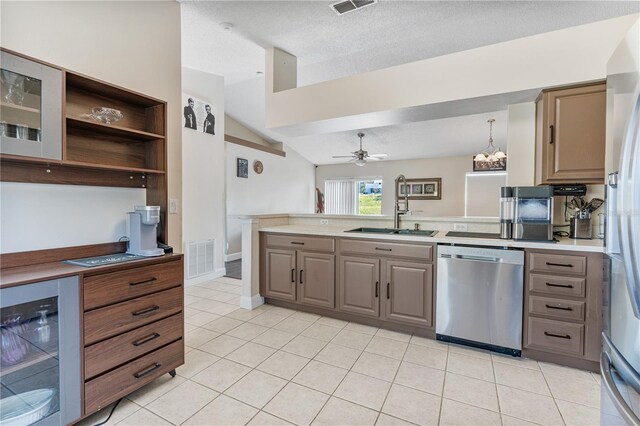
[[379, 282], [570, 135], [409, 292], [304, 276], [563, 307], [53, 136], [359, 285], [281, 274]]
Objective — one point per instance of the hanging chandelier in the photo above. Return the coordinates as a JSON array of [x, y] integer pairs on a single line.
[[490, 156]]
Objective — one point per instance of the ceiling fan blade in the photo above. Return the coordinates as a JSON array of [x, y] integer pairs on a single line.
[[374, 158], [342, 156], [378, 155]]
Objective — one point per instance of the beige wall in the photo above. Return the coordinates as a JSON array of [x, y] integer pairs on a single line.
[[132, 44], [233, 128], [451, 169], [203, 188], [554, 58], [521, 144]]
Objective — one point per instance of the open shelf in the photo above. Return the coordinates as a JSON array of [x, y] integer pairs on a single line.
[[114, 168], [111, 129]]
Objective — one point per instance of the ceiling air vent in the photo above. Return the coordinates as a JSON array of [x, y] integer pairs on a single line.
[[350, 5]]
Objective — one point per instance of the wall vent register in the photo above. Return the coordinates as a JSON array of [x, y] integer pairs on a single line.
[[343, 7]]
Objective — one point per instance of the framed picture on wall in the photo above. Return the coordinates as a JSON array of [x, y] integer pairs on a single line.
[[199, 115], [242, 168], [422, 189]]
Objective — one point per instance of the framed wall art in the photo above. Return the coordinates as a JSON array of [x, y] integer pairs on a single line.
[[421, 189], [242, 168]]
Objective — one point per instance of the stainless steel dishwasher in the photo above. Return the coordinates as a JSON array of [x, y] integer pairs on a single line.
[[479, 297]]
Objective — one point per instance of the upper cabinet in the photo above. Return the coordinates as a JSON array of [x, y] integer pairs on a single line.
[[570, 135], [30, 108], [61, 127]]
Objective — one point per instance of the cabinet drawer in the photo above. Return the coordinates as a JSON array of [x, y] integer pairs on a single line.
[[556, 284], [105, 289], [557, 308], [115, 319], [556, 263], [379, 248], [296, 242], [112, 352], [107, 388], [555, 336]]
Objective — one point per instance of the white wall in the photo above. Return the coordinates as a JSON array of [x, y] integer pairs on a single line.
[[143, 54], [521, 144], [42, 219], [285, 186], [451, 169], [203, 207]]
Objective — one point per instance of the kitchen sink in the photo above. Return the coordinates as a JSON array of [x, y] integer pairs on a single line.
[[394, 231]]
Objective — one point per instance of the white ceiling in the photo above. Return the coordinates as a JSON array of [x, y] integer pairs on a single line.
[[388, 33]]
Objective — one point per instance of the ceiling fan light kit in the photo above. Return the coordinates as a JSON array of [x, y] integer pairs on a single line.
[[360, 157]]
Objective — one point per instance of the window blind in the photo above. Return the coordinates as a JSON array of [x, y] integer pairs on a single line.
[[341, 197]]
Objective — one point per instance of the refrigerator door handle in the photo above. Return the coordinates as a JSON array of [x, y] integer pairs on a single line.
[[607, 379]]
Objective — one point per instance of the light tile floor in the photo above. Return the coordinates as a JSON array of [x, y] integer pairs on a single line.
[[275, 366]]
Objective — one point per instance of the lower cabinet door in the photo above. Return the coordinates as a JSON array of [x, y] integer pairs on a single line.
[[281, 274], [316, 279], [359, 289], [409, 292]]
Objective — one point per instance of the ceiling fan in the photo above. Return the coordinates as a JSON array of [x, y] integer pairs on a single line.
[[361, 156]]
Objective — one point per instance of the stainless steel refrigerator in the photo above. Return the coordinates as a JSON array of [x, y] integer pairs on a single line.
[[620, 359]]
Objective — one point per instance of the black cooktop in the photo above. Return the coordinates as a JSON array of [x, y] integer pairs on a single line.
[[472, 234]]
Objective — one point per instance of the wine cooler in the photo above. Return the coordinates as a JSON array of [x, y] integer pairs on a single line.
[[40, 380]]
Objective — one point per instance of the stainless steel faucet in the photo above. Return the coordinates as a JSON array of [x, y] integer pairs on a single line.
[[405, 209]]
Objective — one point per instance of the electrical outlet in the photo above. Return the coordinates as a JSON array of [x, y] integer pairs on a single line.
[[324, 221], [173, 206], [460, 227]]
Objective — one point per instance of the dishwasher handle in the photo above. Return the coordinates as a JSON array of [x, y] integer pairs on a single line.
[[469, 257]]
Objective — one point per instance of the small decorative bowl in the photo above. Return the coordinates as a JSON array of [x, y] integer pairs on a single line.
[[106, 115]]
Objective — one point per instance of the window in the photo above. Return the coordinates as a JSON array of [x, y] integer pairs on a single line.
[[353, 196], [482, 193]]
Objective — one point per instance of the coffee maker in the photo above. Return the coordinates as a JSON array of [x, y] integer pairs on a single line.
[[142, 226]]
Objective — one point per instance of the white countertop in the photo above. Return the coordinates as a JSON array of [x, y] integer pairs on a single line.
[[408, 217], [568, 244]]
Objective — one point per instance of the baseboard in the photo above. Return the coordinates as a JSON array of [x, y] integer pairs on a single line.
[[220, 272], [247, 302], [233, 256]]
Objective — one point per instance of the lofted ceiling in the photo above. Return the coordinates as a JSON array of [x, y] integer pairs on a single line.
[[389, 33]]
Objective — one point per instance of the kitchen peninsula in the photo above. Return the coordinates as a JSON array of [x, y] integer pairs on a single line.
[[297, 263]]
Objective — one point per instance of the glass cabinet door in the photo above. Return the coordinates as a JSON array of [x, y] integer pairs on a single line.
[[30, 108], [30, 373], [39, 353]]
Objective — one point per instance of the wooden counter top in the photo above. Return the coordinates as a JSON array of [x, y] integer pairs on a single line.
[[22, 268]]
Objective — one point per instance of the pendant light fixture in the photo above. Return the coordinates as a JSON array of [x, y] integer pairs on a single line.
[[490, 153]]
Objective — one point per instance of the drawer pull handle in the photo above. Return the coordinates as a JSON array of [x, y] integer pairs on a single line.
[[560, 285], [383, 249], [145, 311], [377, 289], [150, 280], [293, 275], [147, 370], [561, 336], [297, 243], [551, 134], [388, 292], [146, 339], [564, 265], [301, 276], [561, 308]]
